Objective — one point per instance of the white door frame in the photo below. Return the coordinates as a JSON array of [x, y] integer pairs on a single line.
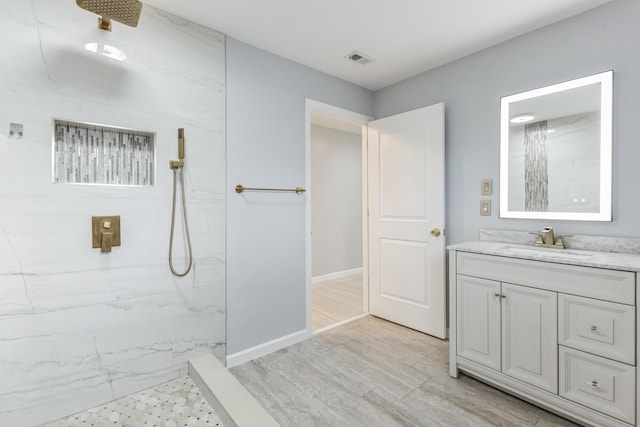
[[312, 106]]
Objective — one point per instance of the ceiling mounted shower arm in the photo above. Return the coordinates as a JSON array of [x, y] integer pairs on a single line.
[[104, 23]]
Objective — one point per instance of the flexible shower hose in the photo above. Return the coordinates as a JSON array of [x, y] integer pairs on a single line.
[[186, 224]]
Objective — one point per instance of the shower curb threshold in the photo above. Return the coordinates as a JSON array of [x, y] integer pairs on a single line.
[[233, 404]]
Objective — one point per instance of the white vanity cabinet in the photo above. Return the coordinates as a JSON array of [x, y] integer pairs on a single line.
[[559, 335], [509, 328]]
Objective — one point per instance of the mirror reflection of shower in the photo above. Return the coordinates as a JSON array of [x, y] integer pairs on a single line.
[[178, 165]]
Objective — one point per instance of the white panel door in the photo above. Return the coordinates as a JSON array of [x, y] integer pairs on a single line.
[[478, 317], [406, 219], [530, 335]]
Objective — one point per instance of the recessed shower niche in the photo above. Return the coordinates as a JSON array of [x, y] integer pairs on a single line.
[[87, 153]]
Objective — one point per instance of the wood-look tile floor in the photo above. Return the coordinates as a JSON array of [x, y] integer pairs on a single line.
[[371, 372], [336, 300]]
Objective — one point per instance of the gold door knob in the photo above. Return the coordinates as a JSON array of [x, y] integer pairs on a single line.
[[594, 328], [435, 232]]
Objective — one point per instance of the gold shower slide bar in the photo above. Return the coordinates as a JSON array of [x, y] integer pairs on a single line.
[[297, 190]]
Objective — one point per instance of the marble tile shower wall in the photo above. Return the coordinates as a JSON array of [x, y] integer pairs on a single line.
[[77, 327]]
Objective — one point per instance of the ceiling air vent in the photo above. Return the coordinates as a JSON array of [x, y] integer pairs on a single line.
[[358, 57]]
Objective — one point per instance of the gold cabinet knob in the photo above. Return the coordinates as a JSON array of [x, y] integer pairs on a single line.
[[435, 232], [594, 383], [594, 328], [497, 294]]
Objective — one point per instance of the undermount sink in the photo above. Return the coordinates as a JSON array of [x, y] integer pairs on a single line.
[[548, 252]]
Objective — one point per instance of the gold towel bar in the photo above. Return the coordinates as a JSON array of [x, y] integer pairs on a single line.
[[297, 190]]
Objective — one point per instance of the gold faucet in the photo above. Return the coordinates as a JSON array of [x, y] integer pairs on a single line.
[[546, 238]]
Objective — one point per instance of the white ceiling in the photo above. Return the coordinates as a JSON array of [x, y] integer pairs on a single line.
[[405, 37]]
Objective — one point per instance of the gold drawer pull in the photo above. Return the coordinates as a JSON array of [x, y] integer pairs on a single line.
[[594, 328], [594, 383]]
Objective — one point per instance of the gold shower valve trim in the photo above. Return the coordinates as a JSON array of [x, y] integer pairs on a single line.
[[105, 231]]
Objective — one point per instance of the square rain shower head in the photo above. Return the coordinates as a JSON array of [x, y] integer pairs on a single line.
[[124, 11]]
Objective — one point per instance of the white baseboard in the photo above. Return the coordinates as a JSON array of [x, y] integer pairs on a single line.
[[243, 356], [336, 275]]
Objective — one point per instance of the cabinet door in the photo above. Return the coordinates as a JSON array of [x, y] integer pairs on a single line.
[[478, 316], [529, 336]]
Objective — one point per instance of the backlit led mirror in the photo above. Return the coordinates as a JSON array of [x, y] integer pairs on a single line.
[[555, 151]]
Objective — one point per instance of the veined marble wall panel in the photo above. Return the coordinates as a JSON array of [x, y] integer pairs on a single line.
[[14, 299], [10, 263], [575, 172], [79, 328]]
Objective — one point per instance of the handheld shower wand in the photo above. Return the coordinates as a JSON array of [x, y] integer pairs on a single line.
[[175, 165], [181, 143], [178, 164]]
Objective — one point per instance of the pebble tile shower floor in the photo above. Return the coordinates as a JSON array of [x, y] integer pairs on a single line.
[[177, 403]]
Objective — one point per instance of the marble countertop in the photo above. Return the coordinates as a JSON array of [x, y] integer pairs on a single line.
[[609, 260]]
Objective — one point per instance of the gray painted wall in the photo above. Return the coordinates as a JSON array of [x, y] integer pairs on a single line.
[[266, 147], [336, 205], [601, 39]]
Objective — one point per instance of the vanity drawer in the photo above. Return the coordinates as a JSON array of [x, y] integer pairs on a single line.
[[609, 285], [599, 327], [598, 383]]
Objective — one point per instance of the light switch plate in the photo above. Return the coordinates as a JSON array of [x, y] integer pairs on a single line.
[[485, 187], [485, 207]]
